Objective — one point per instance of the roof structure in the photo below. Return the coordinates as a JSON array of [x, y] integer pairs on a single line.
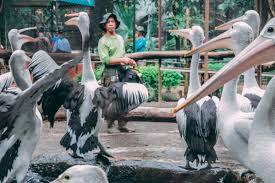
[[45, 3]]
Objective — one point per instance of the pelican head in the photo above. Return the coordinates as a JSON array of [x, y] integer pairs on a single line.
[[82, 21], [251, 17], [261, 50], [195, 35], [19, 63], [236, 38], [82, 174], [17, 39]]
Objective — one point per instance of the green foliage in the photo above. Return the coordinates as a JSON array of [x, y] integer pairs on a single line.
[[150, 76], [98, 72], [169, 97], [215, 66], [124, 12], [169, 79], [235, 8], [178, 18]]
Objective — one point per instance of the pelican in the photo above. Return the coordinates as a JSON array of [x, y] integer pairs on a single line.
[[83, 117], [20, 120], [5, 81], [251, 89], [261, 135], [17, 39], [88, 102], [197, 122], [231, 120], [82, 174]]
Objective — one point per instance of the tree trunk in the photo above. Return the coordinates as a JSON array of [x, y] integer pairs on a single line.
[[271, 8]]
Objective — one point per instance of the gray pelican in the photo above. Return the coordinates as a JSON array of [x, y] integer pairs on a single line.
[[251, 89], [261, 135], [82, 174], [197, 122], [231, 120], [20, 120], [5, 81]]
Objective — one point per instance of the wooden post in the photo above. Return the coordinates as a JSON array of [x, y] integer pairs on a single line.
[[134, 26], [159, 47], [206, 29]]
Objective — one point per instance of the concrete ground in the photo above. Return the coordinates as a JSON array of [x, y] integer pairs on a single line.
[[158, 141]]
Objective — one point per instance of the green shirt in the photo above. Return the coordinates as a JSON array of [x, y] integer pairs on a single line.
[[110, 47]]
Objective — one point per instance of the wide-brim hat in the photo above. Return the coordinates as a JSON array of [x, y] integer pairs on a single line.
[[105, 19], [139, 28]]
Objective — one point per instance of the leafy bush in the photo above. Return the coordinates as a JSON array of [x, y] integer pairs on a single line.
[[150, 77]]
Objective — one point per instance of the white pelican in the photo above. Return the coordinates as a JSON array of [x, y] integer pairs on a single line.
[[20, 120], [88, 102], [82, 174], [251, 89], [231, 120], [261, 135], [197, 122], [17, 39]]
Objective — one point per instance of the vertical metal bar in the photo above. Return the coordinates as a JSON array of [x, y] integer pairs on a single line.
[[159, 47], [206, 29], [134, 26], [256, 5]]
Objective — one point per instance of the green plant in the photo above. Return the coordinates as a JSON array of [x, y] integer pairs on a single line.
[[98, 72], [150, 77], [171, 79], [169, 97], [235, 8]]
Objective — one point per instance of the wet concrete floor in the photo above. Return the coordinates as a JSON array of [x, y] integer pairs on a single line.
[[155, 141]]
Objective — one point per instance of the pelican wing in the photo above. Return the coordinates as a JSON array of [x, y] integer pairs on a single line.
[[209, 120], [52, 99], [254, 99], [32, 94], [42, 64], [5, 81], [181, 119], [7, 101], [243, 125], [194, 132], [120, 98]]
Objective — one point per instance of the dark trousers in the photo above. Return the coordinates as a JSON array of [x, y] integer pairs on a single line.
[[106, 81]]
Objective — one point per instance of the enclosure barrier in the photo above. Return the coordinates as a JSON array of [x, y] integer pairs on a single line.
[[62, 57]]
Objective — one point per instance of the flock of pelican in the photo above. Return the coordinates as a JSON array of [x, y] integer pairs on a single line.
[[21, 122], [246, 122], [248, 134]]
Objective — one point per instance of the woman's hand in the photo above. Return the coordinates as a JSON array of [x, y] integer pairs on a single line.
[[128, 61]]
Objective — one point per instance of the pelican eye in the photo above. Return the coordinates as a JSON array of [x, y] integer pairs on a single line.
[[67, 177], [270, 29]]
